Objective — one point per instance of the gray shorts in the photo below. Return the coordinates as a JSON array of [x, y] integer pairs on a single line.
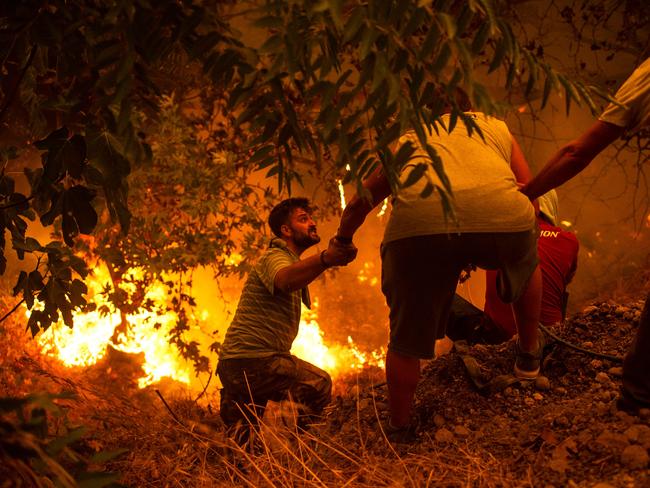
[[420, 274]]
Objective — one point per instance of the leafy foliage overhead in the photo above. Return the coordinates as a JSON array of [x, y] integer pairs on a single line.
[[310, 86]]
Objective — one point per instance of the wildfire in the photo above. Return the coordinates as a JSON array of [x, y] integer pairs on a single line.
[[146, 332], [366, 274], [335, 359]]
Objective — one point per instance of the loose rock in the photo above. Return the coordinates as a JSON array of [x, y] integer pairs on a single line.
[[635, 457], [602, 377], [615, 371], [444, 436], [542, 383]]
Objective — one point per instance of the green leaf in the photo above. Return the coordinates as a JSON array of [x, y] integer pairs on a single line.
[[104, 456], [499, 55], [464, 19], [480, 38], [415, 174], [448, 24], [414, 22], [353, 24], [57, 445], [442, 59], [262, 153], [548, 84], [272, 44], [430, 41], [569, 92], [427, 190]]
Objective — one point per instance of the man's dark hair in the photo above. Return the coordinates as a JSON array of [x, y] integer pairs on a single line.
[[282, 212]]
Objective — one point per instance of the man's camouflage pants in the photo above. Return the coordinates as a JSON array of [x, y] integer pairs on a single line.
[[248, 385]]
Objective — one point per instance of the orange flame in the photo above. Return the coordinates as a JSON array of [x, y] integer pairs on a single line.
[[148, 334], [335, 359]]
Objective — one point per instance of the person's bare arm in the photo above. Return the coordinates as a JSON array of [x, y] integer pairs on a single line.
[[572, 158], [359, 207], [301, 273]]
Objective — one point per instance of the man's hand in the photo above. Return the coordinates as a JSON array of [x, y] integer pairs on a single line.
[[339, 254]]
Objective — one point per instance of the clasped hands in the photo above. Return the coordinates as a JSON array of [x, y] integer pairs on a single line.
[[339, 252]]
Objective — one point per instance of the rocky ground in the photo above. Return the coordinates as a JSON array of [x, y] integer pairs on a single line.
[[561, 430]]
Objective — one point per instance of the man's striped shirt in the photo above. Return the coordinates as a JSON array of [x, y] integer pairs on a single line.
[[266, 321]]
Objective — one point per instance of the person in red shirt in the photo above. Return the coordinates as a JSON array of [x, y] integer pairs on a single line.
[[558, 258]]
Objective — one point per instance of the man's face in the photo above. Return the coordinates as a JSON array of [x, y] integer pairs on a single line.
[[303, 229]]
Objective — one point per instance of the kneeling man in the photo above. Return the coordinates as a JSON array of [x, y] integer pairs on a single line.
[[255, 364]]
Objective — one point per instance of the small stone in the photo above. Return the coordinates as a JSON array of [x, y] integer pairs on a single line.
[[615, 371], [587, 344], [596, 364], [561, 421], [612, 440], [560, 390], [602, 485], [638, 433], [538, 396], [635, 457], [644, 413], [365, 404], [602, 377], [542, 383], [529, 401], [590, 309], [438, 420], [444, 436], [620, 310], [461, 431], [602, 408]]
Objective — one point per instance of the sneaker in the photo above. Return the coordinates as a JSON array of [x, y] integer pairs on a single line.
[[400, 435], [527, 364]]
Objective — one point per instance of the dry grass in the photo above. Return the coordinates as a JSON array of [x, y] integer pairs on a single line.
[[193, 452]]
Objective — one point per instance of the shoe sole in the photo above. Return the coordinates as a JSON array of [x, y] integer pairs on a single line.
[[526, 375]]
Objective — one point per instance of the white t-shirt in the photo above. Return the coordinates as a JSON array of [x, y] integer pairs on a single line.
[[635, 94], [485, 194]]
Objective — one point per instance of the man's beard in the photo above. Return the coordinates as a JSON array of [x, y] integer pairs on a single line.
[[306, 240]]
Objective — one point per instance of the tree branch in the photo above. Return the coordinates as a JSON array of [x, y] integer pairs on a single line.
[[5, 316]]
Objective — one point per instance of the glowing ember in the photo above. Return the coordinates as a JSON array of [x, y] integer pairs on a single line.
[[384, 207], [341, 193], [366, 274], [234, 259]]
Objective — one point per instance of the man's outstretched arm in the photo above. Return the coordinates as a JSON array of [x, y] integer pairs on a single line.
[[572, 158], [359, 207]]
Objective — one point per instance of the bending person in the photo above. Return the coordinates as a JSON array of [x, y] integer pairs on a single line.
[[423, 254]]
